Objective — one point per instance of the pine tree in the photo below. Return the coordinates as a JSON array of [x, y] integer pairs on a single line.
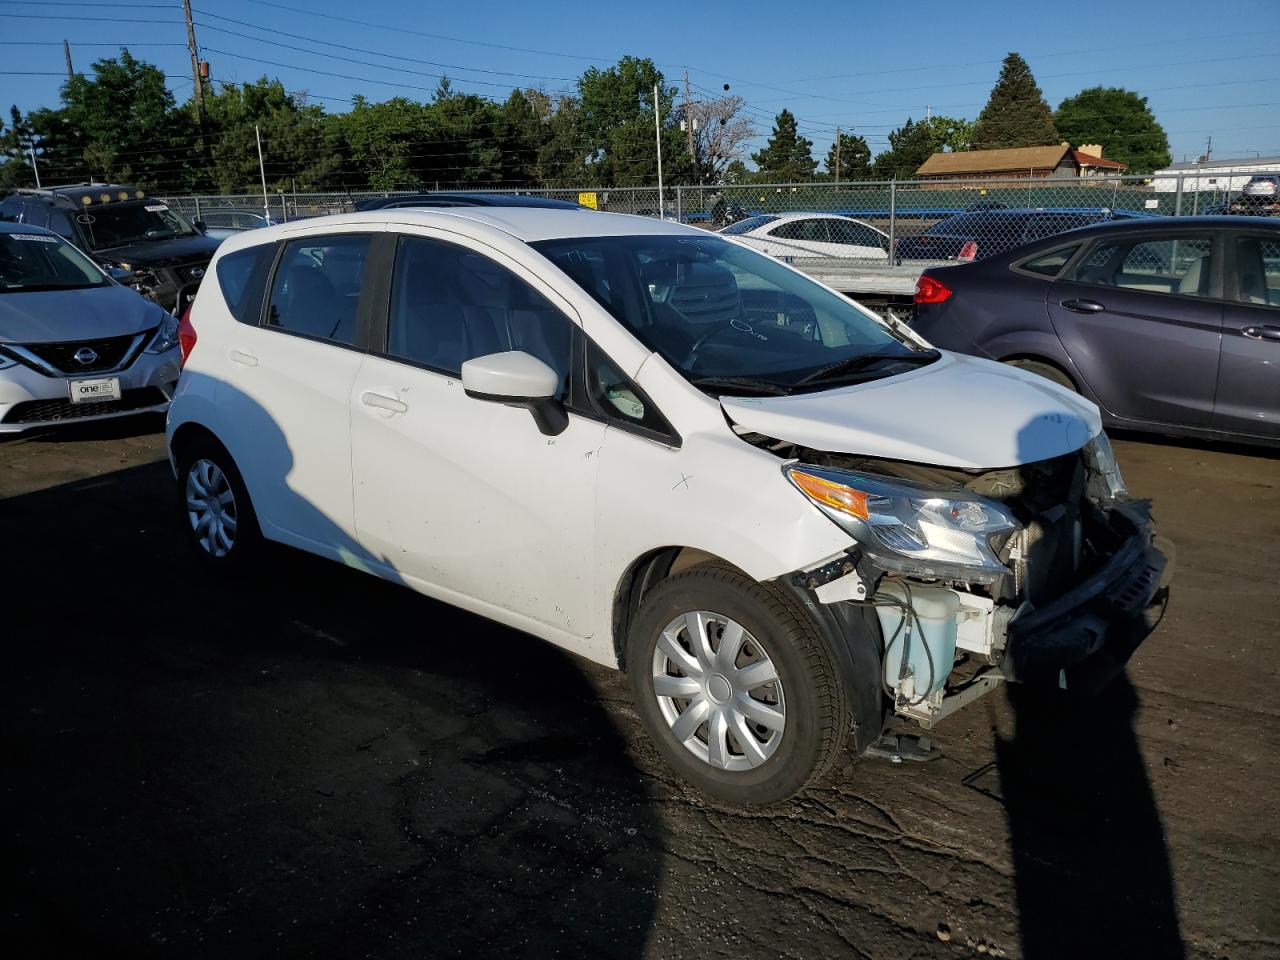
[[1016, 115], [855, 158], [787, 157]]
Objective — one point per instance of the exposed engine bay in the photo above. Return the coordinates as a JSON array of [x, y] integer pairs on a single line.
[[946, 639]]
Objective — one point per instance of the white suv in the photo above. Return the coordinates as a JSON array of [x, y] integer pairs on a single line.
[[785, 519]]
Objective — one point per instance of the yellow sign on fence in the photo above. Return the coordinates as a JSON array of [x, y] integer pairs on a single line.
[[589, 200]]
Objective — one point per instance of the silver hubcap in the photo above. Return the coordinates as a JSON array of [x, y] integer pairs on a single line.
[[719, 691], [211, 508]]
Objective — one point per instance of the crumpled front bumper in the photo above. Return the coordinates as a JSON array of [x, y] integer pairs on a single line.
[[1083, 639]]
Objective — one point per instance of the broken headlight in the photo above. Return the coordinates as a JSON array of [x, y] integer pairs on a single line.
[[944, 534], [1101, 460]]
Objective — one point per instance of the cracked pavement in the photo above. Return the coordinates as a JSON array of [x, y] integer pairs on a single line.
[[318, 764]]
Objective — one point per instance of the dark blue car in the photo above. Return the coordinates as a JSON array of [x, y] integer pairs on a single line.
[[1169, 325], [985, 231]]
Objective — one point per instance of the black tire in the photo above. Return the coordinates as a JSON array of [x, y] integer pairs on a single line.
[[1046, 370], [246, 544], [817, 711]]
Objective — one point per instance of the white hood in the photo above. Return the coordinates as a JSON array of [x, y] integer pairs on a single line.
[[956, 412]]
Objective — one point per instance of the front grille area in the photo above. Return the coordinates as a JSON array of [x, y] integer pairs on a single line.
[[111, 353], [188, 272], [53, 411]]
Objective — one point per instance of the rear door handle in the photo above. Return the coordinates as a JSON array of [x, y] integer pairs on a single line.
[[239, 356], [1262, 333], [1083, 306], [382, 402]]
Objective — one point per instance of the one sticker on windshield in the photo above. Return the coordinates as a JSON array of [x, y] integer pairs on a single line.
[[39, 238], [155, 207]]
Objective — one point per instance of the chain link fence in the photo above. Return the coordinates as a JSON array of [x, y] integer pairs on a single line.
[[851, 223]]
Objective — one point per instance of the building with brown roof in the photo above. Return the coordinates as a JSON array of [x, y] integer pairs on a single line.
[[1059, 162]]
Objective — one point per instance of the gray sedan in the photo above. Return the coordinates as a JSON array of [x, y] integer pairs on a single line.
[[1168, 324], [76, 345]]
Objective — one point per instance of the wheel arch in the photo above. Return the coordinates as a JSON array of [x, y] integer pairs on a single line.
[[1071, 376]]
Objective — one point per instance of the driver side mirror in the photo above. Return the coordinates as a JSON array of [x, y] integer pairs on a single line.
[[517, 379]]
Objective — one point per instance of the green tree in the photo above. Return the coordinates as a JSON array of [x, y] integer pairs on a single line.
[[616, 125], [1016, 114], [120, 125], [16, 142], [855, 157], [914, 143], [787, 157], [1120, 121], [380, 141], [299, 148]]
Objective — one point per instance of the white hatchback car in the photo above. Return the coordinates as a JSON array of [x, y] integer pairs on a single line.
[[667, 453], [803, 236]]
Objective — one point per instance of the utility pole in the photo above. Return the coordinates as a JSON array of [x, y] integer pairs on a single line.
[[35, 167], [66, 52], [837, 154], [688, 123], [195, 60], [657, 133], [266, 204]]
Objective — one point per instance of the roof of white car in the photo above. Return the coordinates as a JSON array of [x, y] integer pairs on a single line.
[[529, 224], [809, 215]]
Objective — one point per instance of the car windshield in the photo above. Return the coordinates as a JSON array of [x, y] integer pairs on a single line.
[[32, 262], [730, 319], [115, 224], [747, 225]]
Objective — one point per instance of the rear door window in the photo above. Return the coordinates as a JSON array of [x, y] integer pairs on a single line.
[[1258, 271], [316, 288], [1177, 265]]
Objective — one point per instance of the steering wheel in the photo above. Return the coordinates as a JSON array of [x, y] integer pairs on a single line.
[[733, 324]]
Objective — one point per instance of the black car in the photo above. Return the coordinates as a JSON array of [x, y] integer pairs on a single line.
[[985, 231], [1168, 324], [467, 200], [121, 227]]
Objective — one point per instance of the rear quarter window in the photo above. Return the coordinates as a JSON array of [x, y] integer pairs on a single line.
[[1048, 264], [242, 277]]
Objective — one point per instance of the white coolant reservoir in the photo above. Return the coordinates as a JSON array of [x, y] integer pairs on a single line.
[[928, 638]]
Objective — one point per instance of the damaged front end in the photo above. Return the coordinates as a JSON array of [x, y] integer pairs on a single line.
[[1041, 573]]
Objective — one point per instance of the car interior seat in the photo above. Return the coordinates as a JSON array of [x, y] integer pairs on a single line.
[[1196, 279]]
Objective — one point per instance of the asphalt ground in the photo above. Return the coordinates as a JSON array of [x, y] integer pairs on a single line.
[[314, 763]]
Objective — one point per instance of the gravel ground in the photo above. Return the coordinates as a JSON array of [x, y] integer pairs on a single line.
[[319, 764]]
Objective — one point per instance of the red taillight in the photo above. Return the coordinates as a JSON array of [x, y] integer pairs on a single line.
[[929, 290], [186, 335], [969, 251]]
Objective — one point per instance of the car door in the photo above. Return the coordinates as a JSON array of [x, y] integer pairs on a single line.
[[1248, 398], [1140, 316], [797, 238], [847, 238], [285, 384], [465, 497]]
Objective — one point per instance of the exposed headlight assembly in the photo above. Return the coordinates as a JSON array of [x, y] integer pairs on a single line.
[[166, 337], [951, 534], [1101, 460]]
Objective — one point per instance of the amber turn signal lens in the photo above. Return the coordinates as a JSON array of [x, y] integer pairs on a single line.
[[834, 495]]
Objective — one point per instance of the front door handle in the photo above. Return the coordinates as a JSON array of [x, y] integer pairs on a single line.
[[1083, 306], [1262, 333], [239, 356], [382, 402]]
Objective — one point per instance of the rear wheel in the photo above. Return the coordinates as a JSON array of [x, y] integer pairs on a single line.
[[218, 517], [735, 686], [1046, 370]]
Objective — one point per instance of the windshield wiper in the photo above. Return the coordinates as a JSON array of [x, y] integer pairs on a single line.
[[743, 385], [861, 362]]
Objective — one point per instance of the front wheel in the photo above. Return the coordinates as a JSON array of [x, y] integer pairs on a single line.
[[735, 686]]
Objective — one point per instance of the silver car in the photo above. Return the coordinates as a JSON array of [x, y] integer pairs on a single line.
[[75, 345]]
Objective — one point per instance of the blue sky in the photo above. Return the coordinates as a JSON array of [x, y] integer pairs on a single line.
[[1209, 69]]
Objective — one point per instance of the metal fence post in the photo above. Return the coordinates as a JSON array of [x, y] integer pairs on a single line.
[[197, 208], [1177, 201], [679, 204], [893, 215]]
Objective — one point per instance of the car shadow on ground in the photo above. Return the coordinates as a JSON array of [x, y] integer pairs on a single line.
[[308, 761]]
